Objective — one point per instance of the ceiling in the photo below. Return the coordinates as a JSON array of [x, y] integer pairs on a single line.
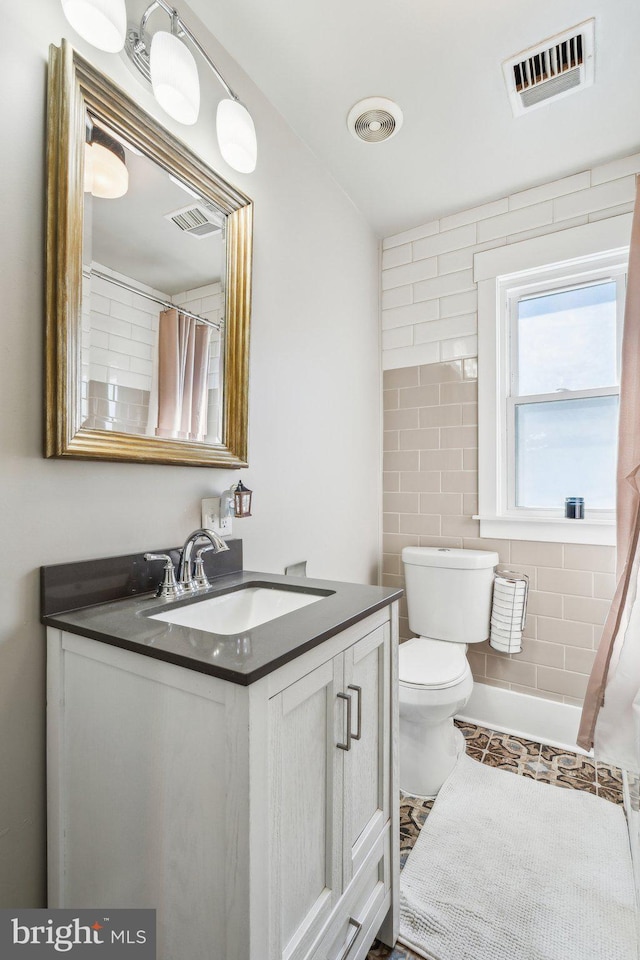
[[441, 61]]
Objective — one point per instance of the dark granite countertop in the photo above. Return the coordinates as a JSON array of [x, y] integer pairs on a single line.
[[241, 658]]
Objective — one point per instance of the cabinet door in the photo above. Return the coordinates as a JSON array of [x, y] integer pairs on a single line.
[[306, 721], [367, 672]]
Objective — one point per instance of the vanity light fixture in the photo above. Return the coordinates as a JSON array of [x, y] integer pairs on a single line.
[[174, 75], [166, 62], [102, 23], [242, 500], [236, 135], [105, 169]]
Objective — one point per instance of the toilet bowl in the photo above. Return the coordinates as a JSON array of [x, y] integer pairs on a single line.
[[435, 684], [449, 600]]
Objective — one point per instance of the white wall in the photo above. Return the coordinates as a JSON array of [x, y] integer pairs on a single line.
[[314, 401]]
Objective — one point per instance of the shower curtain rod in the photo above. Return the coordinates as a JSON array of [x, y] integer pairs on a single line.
[[216, 324]]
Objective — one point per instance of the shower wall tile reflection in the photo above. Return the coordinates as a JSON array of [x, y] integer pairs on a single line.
[[114, 407], [119, 345]]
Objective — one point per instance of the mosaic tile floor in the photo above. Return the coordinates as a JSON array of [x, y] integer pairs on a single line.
[[523, 757]]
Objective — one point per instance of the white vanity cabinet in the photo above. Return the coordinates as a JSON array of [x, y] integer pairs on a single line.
[[329, 793], [255, 819]]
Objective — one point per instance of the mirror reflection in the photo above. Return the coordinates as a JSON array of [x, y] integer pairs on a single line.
[[152, 335]]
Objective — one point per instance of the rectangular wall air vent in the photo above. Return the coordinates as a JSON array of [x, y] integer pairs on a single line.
[[199, 220], [552, 69]]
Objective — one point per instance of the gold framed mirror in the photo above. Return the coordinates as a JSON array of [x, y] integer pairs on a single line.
[[148, 256]]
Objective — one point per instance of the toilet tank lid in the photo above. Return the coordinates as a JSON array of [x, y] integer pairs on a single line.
[[449, 557]]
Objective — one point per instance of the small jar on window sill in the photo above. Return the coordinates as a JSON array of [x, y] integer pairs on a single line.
[[574, 508]]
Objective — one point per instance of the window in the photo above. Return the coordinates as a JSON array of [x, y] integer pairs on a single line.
[[549, 359], [562, 406]]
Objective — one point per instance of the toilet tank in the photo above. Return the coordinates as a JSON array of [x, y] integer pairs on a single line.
[[449, 592]]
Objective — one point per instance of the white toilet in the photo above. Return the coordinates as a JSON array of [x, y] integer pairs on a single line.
[[449, 599]]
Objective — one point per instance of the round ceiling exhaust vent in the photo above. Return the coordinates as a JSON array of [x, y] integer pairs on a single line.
[[374, 119]]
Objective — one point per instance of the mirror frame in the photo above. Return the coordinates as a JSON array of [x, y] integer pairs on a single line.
[[75, 86]]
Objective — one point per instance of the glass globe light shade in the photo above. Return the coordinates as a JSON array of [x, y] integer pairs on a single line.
[[109, 174], [174, 77], [236, 136], [102, 23]]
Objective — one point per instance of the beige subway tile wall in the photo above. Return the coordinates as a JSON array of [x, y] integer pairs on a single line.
[[429, 349], [430, 484]]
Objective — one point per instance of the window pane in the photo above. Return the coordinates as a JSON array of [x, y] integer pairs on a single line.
[[567, 340], [566, 448]]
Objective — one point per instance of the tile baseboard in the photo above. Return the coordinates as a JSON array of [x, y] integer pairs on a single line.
[[517, 713]]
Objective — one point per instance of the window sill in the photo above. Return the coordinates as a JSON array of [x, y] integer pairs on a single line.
[[549, 530]]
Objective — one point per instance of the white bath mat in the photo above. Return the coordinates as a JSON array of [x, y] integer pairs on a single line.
[[509, 869]]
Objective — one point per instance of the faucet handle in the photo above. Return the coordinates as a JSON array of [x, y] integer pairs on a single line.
[[199, 576], [169, 589]]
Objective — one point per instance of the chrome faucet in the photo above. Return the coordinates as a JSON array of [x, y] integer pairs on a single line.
[[185, 574]]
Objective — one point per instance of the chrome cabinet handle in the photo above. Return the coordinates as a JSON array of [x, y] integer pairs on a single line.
[[357, 926], [347, 745], [358, 690]]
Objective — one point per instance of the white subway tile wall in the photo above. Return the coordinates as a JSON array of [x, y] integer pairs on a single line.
[[119, 334], [119, 331], [430, 484], [429, 323], [429, 299]]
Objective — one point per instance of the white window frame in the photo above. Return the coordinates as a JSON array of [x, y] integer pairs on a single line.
[[578, 255], [511, 290]]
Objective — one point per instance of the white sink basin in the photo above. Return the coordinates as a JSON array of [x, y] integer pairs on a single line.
[[239, 611]]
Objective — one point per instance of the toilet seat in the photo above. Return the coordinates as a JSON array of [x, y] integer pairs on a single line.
[[433, 664]]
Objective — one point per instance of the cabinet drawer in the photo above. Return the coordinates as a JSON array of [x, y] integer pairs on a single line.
[[349, 933]]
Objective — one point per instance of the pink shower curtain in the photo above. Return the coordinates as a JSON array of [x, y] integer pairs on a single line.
[[183, 359], [609, 717]]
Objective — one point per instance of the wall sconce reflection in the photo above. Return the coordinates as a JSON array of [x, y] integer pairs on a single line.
[[105, 168]]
